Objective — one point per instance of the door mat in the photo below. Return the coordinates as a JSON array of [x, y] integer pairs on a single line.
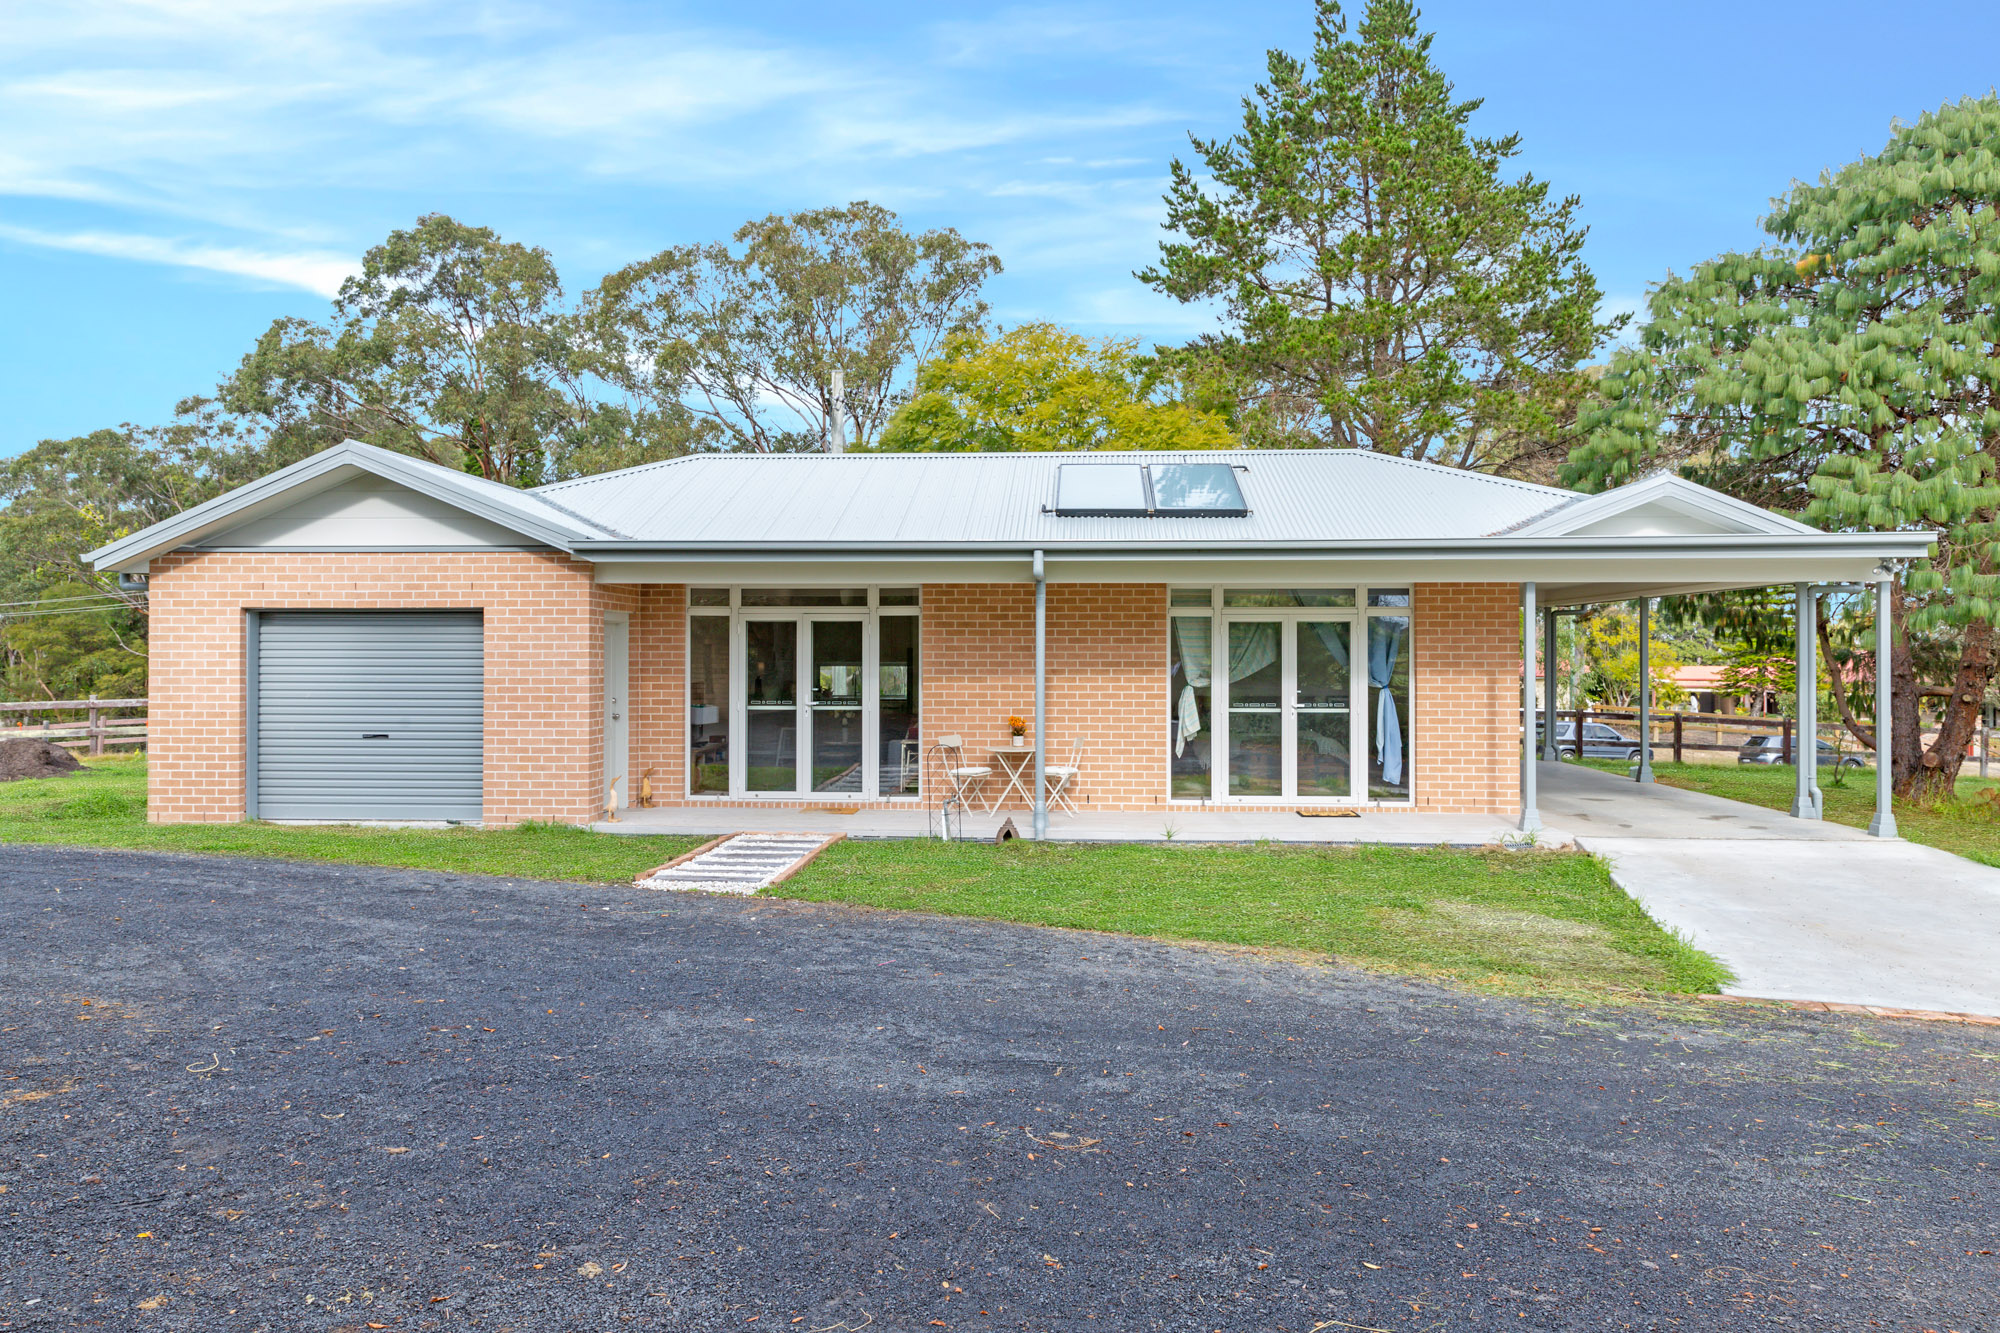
[[1334, 813]]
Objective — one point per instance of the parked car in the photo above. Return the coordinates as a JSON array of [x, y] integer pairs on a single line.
[[1771, 750], [1599, 742]]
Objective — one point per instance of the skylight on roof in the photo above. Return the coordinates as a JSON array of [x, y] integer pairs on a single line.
[[1138, 490]]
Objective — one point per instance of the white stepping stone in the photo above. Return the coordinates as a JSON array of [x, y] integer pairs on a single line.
[[739, 863]]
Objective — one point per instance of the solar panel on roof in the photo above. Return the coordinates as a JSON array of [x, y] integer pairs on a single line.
[[1136, 490]]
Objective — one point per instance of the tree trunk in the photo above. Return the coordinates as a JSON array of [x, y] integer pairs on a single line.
[[1838, 688], [1936, 775]]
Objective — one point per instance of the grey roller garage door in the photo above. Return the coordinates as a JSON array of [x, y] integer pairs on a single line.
[[368, 715]]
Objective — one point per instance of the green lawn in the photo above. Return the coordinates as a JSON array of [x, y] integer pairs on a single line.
[[1535, 918], [1967, 826], [105, 806], [1524, 921]]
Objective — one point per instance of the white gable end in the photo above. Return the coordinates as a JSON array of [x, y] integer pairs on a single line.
[[363, 513]]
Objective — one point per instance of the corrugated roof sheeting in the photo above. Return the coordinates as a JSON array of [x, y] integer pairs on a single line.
[[1293, 495]]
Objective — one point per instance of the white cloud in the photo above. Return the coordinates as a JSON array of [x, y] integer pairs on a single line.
[[320, 273]]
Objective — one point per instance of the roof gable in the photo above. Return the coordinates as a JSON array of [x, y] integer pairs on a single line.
[[1662, 505], [490, 507]]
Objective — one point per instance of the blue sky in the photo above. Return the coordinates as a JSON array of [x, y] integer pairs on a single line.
[[174, 174]]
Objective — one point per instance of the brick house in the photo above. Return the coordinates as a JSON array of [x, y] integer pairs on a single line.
[[365, 636]]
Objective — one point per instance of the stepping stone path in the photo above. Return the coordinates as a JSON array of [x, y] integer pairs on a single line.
[[740, 863]]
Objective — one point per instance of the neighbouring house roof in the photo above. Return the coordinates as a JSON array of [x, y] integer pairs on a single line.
[[1303, 514]]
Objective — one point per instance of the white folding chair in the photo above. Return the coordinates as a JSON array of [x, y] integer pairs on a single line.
[[1061, 778], [965, 778]]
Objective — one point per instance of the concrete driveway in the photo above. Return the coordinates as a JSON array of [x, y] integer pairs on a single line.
[[1799, 910]]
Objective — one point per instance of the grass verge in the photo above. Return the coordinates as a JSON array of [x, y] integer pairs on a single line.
[[1530, 920], [1521, 921], [1963, 825], [105, 806]]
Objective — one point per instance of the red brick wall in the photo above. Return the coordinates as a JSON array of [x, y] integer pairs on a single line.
[[544, 683], [1467, 683], [1107, 678]]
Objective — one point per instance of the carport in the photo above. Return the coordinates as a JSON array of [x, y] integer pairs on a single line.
[[1748, 551]]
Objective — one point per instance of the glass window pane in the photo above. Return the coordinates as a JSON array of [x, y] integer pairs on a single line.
[[1324, 727], [1188, 597], [896, 597], [1197, 488], [1388, 597], [902, 753], [771, 669], [836, 705], [1389, 757], [708, 705], [1100, 488], [1288, 597], [708, 597], [1256, 687], [805, 597], [1191, 722]]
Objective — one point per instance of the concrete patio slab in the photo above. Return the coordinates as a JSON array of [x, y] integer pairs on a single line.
[[1413, 829], [1588, 802]]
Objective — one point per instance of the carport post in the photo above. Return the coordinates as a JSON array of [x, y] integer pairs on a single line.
[[1645, 773], [1805, 754], [1549, 685], [1531, 818], [1884, 823]]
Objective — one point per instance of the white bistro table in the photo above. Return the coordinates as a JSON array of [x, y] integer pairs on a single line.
[[1018, 763]]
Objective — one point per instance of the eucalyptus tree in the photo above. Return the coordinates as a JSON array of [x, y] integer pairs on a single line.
[[1382, 284], [750, 335], [453, 345], [1850, 373]]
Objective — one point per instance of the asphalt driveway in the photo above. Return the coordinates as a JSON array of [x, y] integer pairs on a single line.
[[244, 1095]]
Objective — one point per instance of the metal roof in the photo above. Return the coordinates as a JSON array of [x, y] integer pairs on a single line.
[[951, 499]]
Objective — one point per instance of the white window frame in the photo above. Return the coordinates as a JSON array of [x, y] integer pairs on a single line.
[[1360, 720], [870, 618]]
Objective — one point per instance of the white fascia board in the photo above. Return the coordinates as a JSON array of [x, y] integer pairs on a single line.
[[1723, 509], [328, 467]]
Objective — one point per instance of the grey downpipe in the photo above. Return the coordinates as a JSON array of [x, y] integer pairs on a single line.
[[1041, 822]]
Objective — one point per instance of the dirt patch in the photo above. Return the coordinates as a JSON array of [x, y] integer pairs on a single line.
[[24, 758]]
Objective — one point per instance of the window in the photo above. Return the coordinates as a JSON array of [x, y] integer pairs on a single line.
[[805, 597], [1134, 490], [708, 597], [1189, 597], [1288, 597]]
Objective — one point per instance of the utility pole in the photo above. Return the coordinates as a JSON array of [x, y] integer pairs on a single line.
[[836, 437]]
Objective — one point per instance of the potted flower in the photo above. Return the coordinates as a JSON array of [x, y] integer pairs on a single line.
[[1019, 726]]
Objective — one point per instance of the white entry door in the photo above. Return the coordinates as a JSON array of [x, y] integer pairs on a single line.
[[1288, 707], [617, 710]]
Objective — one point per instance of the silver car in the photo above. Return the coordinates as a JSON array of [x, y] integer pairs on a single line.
[[1599, 742], [1771, 750]]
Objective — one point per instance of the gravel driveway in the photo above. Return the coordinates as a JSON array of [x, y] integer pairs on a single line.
[[251, 1095]]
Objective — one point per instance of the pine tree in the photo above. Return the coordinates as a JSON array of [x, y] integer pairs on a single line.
[[1383, 286], [1850, 373]]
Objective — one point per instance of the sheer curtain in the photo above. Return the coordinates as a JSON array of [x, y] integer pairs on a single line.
[[1385, 644]]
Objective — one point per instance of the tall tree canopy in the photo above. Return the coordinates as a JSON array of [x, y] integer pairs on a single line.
[[456, 346], [1038, 386], [1850, 373], [1383, 286], [749, 338]]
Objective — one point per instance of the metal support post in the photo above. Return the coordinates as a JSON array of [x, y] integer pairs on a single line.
[[1531, 818], [1645, 772], [1805, 791], [1549, 685], [1884, 823]]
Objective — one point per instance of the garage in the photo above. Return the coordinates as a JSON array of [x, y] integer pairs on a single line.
[[366, 715]]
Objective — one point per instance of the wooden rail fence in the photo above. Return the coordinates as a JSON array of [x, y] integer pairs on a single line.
[[94, 731], [1682, 732]]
